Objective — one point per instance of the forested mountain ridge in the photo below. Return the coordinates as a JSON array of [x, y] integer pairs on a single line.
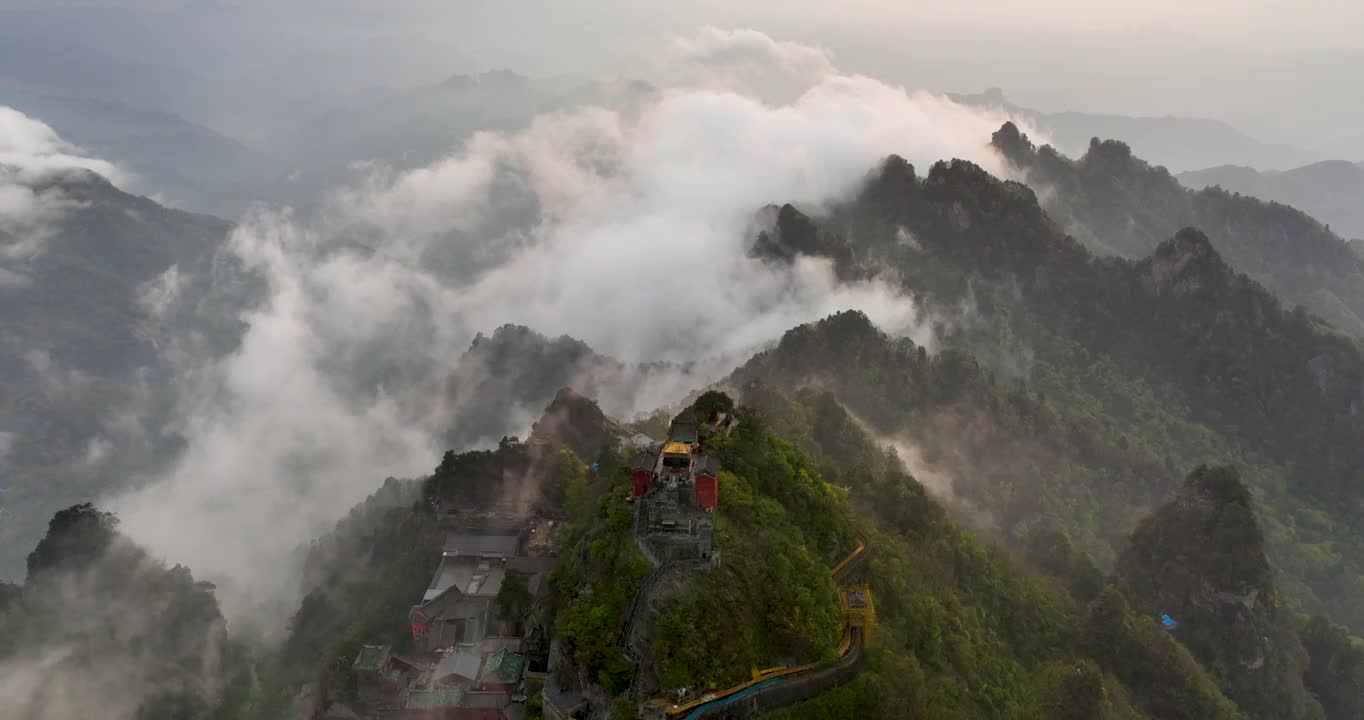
[[1150, 366], [1115, 203], [964, 630]]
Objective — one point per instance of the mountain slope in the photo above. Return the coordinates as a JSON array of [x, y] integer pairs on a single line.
[[963, 630], [1116, 203], [1149, 366], [78, 349], [1201, 559], [184, 164], [1331, 191]]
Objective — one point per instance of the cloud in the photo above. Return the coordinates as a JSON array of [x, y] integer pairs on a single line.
[[629, 230], [31, 157], [35, 149], [751, 60]]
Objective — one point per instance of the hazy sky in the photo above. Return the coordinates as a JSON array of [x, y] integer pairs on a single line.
[[1282, 70]]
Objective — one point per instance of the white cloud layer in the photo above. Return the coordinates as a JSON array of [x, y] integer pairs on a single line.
[[31, 155], [633, 236]]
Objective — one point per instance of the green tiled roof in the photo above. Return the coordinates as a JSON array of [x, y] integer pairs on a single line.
[[502, 667], [371, 657], [447, 696]]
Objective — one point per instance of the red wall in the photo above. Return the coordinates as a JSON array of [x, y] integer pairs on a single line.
[[707, 492], [640, 478]]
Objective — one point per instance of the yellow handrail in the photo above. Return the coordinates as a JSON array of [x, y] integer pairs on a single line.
[[861, 546]]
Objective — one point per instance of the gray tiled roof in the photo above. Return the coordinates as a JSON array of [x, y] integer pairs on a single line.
[[463, 663], [488, 546], [470, 577], [646, 460]]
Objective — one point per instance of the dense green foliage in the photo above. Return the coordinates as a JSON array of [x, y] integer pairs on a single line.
[[771, 601], [514, 597], [711, 402], [965, 631], [1007, 455], [1148, 670], [599, 571], [1123, 373], [1335, 672]]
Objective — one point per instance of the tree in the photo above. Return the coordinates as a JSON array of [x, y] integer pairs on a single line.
[[1070, 691], [514, 598], [75, 537], [712, 402]]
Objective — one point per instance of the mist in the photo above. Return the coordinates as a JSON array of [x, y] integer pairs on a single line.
[[32, 155], [1216, 58], [637, 244]]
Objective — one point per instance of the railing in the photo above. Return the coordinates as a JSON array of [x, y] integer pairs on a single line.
[[637, 603], [779, 689], [783, 686], [843, 565]]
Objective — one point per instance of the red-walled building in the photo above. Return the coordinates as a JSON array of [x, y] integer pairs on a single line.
[[642, 472], [705, 470]]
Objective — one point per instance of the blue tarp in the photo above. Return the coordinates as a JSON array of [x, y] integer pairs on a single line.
[[1168, 622]]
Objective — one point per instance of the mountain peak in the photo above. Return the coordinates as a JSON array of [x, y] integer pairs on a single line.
[[574, 421], [1201, 558], [1184, 264], [1013, 143], [892, 182], [793, 233], [1108, 151]]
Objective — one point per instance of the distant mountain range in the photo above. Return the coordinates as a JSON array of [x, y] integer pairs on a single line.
[[1331, 191], [1178, 143], [181, 163], [1116, 203], [187, 165], [405, 129]]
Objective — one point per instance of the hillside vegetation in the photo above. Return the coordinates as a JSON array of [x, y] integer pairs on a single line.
[[1116, 373]]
